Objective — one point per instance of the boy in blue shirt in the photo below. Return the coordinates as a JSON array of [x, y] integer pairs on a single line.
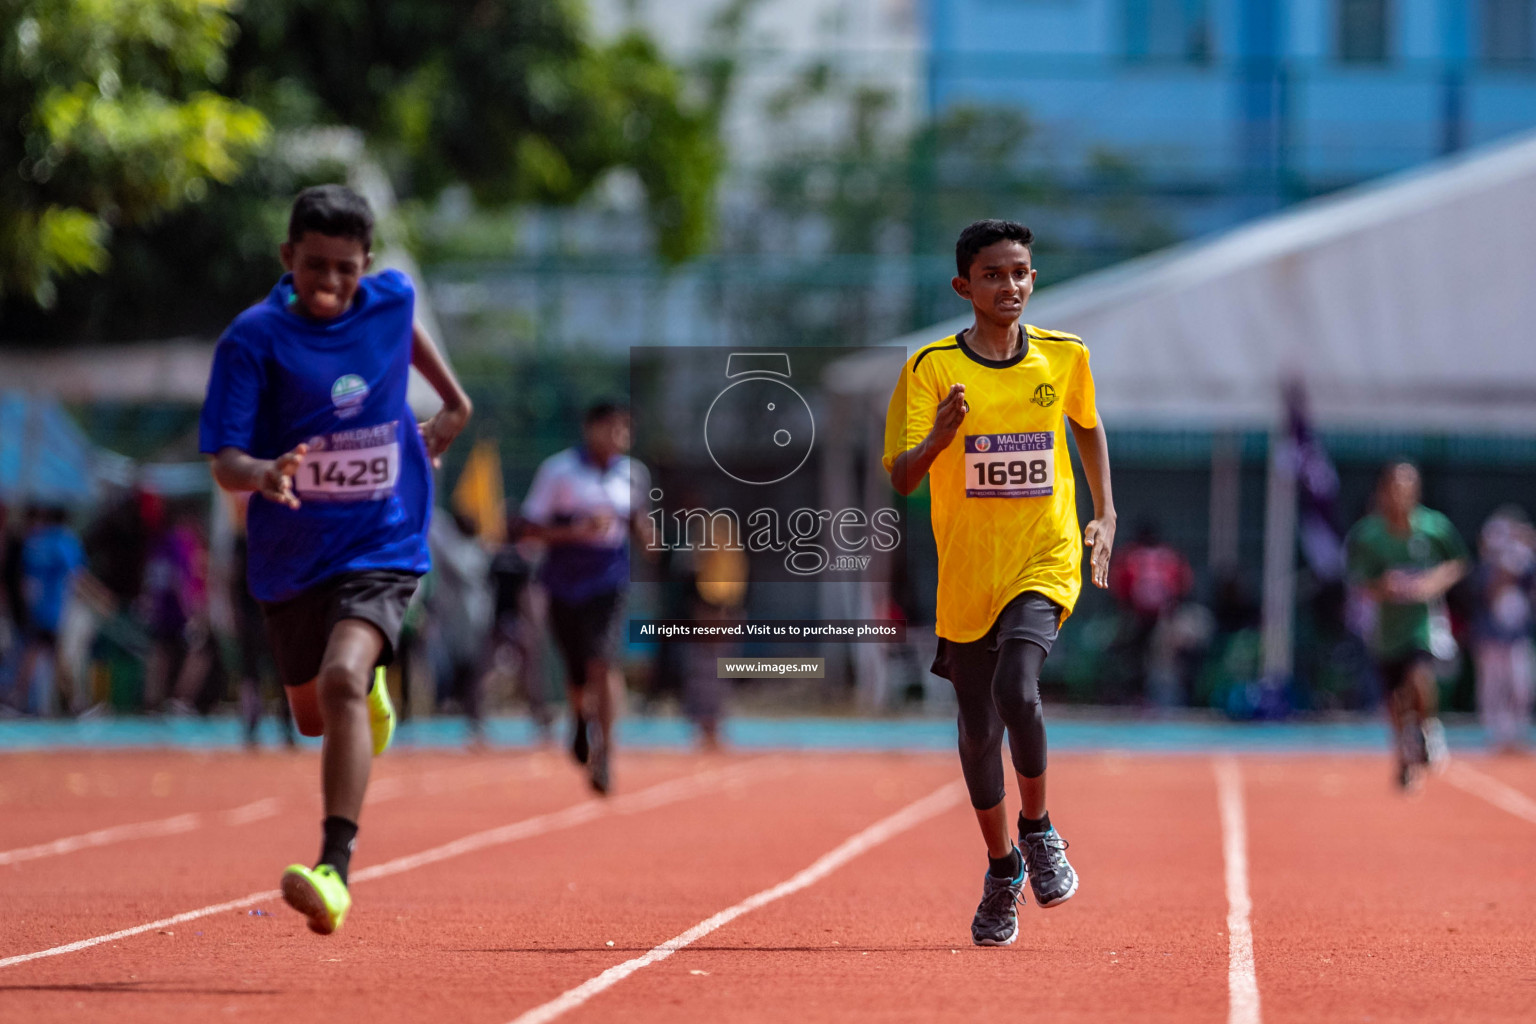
[[306, 409]]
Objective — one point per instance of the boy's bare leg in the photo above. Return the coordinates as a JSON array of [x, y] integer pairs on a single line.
[[995, 830], [347, 753]]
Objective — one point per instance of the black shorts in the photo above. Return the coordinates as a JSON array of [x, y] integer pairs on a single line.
[[1030, 616], [300, 627], [1394, 671], [588, 629]]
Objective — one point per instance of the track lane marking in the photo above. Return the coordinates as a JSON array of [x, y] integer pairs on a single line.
[[1242, 982], [647, 799], [1500, 794], [104, 837], [260, 810], [913, 814], [385, 789]]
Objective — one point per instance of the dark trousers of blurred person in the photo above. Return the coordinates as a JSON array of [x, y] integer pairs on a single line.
[[589, 633], [179, 675], [517, 649], [41, 676], [258, 673]]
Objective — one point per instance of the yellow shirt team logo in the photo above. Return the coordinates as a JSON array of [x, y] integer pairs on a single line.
[[1004, 504]]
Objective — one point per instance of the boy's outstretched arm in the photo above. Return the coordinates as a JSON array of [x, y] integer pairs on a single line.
[[913, 464], [1093, 449], [234, 470], [439, 431]]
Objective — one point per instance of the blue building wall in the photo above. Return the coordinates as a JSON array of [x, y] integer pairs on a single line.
[[1250, 103]]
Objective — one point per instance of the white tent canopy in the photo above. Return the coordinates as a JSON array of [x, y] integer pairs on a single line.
[[1409, 304]]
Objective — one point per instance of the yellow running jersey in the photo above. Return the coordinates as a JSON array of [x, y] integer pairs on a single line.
[[1003, 500]]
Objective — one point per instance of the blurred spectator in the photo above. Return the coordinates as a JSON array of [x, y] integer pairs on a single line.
[[175, 607], [1234, 605], [460, 608], [258, 673], [1149, 579], [12, 538], [1175, 652], [51, 556], [517, 632], [1503, 627], [117, 543], [720, 595], [10, 596]]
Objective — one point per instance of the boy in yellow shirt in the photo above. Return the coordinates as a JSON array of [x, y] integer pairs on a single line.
[[983, 414]]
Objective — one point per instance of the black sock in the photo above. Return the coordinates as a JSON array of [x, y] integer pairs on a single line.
[[1005, 867], [1029, 826], [336, 847]]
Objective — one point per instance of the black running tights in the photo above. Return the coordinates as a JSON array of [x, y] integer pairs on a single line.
[[997, 690]]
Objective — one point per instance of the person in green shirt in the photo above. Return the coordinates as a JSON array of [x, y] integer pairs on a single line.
[[1406, 557]]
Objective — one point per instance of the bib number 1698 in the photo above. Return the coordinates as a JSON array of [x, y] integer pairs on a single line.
[[1015, 471], [1010, 465]]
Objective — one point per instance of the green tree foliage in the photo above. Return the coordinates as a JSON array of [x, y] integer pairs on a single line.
[[512, 97], [108, 119], [133, 167]]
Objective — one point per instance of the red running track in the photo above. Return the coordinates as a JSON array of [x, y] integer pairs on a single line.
[[1366, 905]]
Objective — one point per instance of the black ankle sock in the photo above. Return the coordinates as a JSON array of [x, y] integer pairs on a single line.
[[1029, 826], [1005, 867], [336, 847]]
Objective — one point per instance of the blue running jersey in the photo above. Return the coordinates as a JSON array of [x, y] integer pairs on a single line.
[[280, 379]]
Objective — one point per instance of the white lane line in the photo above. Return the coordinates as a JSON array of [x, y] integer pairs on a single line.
[[389, 788], [103, 837], [451, 780], [1501, 795], [1242, 983], [871, 837], [589, 810], [644, 800], [258, 811]]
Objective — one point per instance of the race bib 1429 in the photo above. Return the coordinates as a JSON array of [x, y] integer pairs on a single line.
[[351, 465], [1010, 465]]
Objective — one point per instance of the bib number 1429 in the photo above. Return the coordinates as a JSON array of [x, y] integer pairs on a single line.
[[1010, 465], [356, 465]]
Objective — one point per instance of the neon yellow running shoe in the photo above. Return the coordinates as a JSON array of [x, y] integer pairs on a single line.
[[319, 894], [381, 713]]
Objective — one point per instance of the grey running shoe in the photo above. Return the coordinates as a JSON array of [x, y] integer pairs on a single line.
[[1051, 878], [997, 917]]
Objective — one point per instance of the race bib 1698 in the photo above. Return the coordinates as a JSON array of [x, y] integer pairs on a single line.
[[1010, 465], [351, 465]]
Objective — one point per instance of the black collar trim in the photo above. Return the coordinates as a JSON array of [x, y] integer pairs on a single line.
[[996, 364]]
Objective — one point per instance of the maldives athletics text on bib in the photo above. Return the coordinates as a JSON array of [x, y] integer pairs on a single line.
[[1010, 465], [360, 464]]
